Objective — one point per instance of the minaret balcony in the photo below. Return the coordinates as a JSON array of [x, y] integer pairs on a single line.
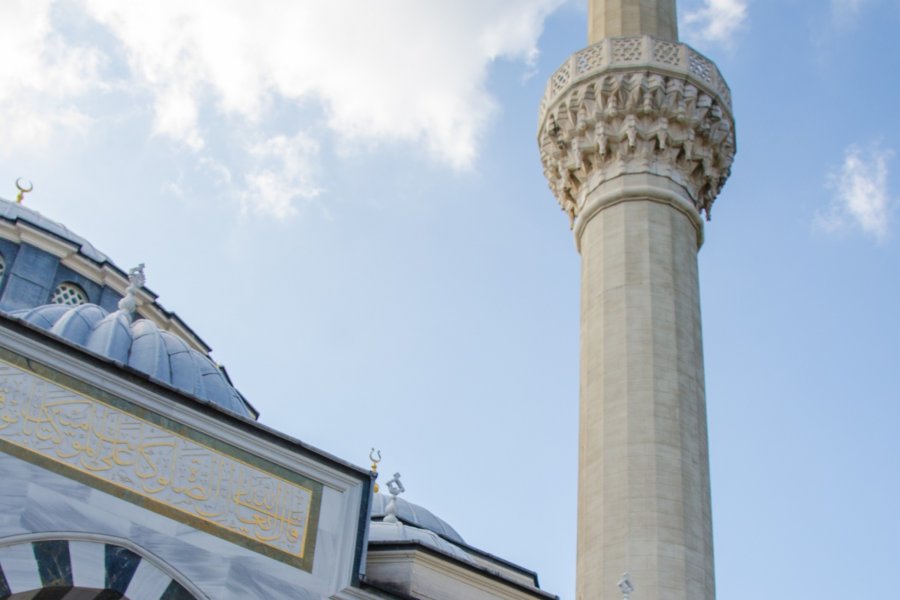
[[636, 105]]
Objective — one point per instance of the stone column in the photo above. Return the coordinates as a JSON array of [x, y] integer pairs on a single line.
[[637, 139], [621, 18]]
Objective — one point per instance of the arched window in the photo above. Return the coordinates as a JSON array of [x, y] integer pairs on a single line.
[[2, 266], [68, 293]]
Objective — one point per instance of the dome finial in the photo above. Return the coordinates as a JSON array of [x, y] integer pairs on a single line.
[[375, 457], [395, 488], [24, 186], [136, 280]]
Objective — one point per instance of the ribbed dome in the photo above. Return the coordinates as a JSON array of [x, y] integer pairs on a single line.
[[141, 345], [415, 515]]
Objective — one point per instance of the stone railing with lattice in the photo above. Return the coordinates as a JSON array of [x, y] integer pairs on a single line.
[[615, 54]]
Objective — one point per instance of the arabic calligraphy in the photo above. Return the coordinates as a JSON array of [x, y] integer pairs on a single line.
[[149, 460]]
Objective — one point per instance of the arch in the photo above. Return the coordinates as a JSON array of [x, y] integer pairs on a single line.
[[99, 567], [68, 293]]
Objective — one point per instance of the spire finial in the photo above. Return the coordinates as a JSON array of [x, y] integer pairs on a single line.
[[24, 186], [395, 488], [136, 280], [375, 457]]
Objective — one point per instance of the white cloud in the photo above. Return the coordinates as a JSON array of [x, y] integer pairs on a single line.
[[282, 172], [42, 75], [216, 72], [861, 192], [716, 20]]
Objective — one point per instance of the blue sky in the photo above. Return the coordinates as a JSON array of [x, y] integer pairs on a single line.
[[345, 200]]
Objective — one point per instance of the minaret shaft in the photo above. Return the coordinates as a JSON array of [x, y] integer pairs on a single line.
[[625, 18], [643, 501]]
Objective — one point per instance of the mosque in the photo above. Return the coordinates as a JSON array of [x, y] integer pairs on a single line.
[[133, 467]]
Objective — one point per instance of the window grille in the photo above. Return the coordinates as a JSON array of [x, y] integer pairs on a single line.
[[68, 293]]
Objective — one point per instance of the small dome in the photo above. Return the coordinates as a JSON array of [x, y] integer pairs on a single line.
[[415, 515], [380, 531], [142, 346]]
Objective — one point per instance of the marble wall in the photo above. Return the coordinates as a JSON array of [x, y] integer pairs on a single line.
[[34, 500]]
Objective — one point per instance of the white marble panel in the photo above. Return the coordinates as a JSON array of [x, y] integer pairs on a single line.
[[88, 564], [129, 514], [53, 504], [249, 581], [37, 500], [331, 528], [148, 582], [20, 568]]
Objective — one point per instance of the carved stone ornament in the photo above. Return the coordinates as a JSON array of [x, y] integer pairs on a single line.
[[636, 105]]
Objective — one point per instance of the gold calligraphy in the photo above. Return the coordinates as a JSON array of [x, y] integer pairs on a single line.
[[149, 460]]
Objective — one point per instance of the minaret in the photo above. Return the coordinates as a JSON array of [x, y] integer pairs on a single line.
[[637, 138]]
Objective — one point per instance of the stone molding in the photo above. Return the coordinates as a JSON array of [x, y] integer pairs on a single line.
[[636, 105], [636, 187]]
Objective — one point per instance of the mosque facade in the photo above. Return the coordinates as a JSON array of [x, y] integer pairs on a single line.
[[133, 468]]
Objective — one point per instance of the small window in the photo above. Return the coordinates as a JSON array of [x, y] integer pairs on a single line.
[[68, 293], [2, 266]]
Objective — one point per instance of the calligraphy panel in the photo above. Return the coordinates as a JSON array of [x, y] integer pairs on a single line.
[[165, 471]]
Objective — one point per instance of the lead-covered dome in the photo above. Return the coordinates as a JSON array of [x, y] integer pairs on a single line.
[[415, 515], [57, 281], [141, 345]]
